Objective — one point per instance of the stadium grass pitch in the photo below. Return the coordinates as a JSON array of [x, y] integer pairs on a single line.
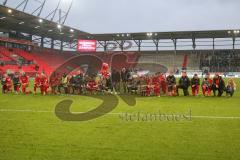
[[29, 129]]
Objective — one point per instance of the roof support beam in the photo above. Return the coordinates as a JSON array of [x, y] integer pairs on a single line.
[[138, 43], [175, 53], [156, 42], [234, 42], [194, 43], [5, 2], [40, 8], [24, 2]]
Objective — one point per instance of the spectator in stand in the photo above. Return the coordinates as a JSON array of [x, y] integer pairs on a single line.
[[184, 83], [218, 85], [195, 83]]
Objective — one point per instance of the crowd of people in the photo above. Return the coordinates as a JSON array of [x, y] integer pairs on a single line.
[[123, 82], [221, 61]]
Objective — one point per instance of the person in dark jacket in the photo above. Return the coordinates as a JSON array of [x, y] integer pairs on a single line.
[[195, 83], [4, 83], [171, 82], [116, 78], [124, 79], [184, 83], [80, 83], [16, 83], [218, 85]]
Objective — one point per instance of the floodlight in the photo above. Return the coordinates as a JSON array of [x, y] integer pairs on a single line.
[[59, 26]]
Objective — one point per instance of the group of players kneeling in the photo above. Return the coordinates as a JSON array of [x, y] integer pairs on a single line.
[[157, 85]]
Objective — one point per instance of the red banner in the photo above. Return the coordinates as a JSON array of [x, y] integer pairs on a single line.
[[87, 45]]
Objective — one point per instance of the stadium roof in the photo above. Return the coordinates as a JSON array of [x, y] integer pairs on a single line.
[[170, 35], [14, 20], [23, 22]]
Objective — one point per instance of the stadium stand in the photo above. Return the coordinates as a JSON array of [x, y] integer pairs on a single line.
[[220, 61], [47, 60], [167, 59]]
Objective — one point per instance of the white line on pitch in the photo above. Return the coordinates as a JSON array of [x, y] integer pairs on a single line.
[[42, 111]]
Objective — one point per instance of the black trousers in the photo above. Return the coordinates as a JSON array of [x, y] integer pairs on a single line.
[[219, 90], [184, 88], [116, 86], [231, 92], [64, 87], [4, 88]]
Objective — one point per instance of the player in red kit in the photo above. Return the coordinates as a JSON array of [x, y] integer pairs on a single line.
[[207, 85], [9, 84], [156, 85], [163, 83], [148, 86], [195, 83], [6, 84], [44, 84], [25, 83], [36, 82], [91, 86]]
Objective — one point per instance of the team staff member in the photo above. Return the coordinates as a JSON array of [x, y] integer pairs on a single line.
[[124, 77], [64, 84], [218, 85], [16, 83], [54, 80], [116, 78], [184, 83], [171, 83]]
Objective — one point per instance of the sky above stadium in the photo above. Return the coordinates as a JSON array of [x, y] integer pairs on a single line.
[[112, 16]]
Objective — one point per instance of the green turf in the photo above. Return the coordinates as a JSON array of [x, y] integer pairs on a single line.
[[41, 135]]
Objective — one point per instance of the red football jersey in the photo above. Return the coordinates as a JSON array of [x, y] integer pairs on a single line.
[[24, 79], [8, 80], [37, 80], [155, 80], [43, 80], [162, 78]]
